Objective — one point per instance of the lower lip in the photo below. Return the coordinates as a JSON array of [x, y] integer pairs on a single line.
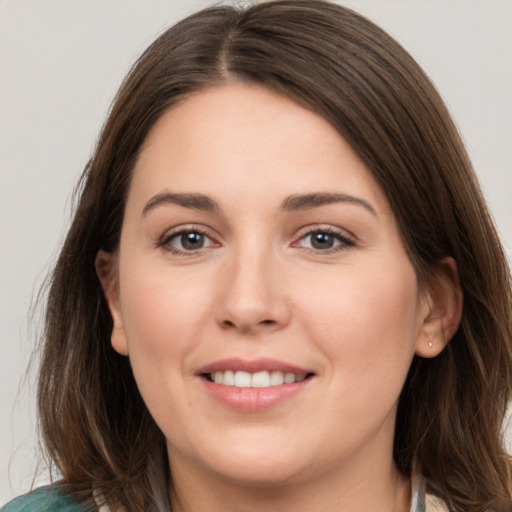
[[254, 399]]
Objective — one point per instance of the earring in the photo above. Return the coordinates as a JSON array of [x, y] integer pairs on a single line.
[[430, 344]]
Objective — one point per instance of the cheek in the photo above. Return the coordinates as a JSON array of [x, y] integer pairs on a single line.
[[160, 309], [162, 321], [162, 316], [367, 325]]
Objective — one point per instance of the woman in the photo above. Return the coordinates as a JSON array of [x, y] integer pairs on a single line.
[[281, 288]]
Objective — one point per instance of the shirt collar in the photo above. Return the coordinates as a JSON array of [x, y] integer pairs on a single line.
[[418, 494]]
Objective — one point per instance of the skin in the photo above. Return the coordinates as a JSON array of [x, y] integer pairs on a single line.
[[352, 314]]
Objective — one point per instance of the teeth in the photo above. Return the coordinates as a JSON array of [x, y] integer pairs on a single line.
[[276, 378], [228, 378], [289, 378], [260, 380], [242, 379]]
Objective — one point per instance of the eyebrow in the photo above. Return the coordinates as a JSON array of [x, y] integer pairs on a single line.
[[295, 202], [307, 201], [193, 201]]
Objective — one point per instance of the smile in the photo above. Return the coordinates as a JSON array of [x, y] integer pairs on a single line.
[[262, 379], [254, 385]]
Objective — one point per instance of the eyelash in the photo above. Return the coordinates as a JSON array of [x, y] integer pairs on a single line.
[[344, 242], [165, 241]]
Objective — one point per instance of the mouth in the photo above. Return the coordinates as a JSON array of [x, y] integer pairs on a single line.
[[254, 385], [260, 379]]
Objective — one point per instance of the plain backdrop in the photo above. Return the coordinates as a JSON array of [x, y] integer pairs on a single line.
[[61, 62]]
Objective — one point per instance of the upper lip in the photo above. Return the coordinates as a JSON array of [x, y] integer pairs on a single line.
[[251, 366]]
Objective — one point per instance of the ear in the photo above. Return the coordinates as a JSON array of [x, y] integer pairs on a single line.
[[106, 269], [442, 309]]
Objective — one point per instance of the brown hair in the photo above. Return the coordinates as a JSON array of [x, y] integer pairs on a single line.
[[96, 428]]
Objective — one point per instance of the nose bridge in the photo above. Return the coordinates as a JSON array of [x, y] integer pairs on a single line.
[[251, 296]]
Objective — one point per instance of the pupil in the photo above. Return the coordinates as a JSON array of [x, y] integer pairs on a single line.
[[191, 241], [322, 241]]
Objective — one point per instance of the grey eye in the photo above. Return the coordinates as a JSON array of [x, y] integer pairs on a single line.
[[191, 241], [325, 241], [321, 240], [188, 241]]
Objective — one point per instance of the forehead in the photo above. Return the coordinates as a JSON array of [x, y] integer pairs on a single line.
[[247, 139]]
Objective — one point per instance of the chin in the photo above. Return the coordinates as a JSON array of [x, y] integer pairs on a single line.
[[255, 463], [257, 472]]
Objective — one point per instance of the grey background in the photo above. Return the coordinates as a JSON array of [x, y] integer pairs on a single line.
[[61, 62]]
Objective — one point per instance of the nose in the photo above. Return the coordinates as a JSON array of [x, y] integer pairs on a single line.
[[252, 297]]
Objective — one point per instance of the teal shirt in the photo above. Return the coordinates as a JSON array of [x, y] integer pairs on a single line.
[[45, 499], [48, 499]]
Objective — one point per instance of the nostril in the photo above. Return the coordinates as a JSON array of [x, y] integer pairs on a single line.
[[230, 324]]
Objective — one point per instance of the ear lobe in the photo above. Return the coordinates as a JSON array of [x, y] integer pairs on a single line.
[[106, 269], [444, 301]]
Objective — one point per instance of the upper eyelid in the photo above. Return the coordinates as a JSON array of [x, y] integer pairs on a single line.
[[186, 228], [319, 228], [299, 234]]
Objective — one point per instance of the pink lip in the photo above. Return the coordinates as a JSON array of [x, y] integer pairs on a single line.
[[252, 399], [253, 366]]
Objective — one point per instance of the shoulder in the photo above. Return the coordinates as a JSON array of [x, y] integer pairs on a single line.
[[44, 499]]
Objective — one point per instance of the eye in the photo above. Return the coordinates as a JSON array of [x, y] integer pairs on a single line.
[[324, 240], [186, 240]]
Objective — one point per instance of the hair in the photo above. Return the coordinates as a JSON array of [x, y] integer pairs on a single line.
[[95, 426]]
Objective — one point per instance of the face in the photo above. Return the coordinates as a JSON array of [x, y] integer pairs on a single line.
[[263, 292]]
